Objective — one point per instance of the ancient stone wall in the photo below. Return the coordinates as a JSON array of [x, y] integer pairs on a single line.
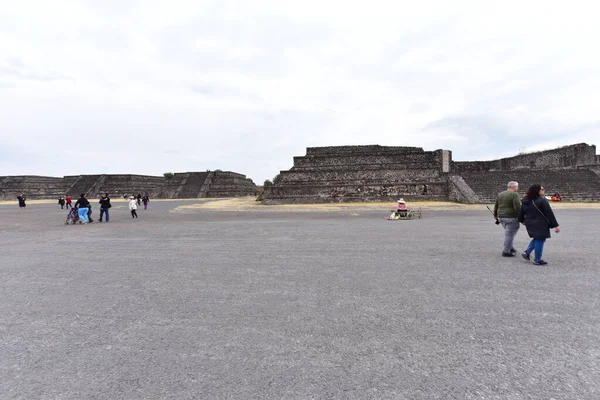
[[34, 187], [569, 170], [328, 193], [173, 186], [230, 184], [574, 185], [119, 185], [362, 173], [594, 168], [182, 185], [567, 157]]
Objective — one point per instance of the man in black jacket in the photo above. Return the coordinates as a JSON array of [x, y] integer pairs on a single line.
[[104, 206]]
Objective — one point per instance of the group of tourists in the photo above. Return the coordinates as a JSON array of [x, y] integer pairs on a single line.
[[65, 202], [82, 211], [533, 211], [139, 199]]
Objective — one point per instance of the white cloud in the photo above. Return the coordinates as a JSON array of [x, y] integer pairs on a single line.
[[147, 87]]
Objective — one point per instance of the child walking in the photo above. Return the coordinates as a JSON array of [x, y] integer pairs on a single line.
[[133, 207]]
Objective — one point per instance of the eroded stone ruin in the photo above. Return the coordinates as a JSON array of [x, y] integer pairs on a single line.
[[182, 185], [371, 173]]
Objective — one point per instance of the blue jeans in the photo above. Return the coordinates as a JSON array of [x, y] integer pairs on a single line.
[[82, 212], [538, 246], [102, 212]]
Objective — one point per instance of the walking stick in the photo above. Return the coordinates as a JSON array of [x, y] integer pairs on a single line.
[[497, 220]]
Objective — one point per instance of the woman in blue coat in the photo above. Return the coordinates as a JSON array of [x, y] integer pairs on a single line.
[[538, 218]]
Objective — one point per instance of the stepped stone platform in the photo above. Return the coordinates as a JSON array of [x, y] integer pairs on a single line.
[[368, 173], [182, 185], [229, 184]]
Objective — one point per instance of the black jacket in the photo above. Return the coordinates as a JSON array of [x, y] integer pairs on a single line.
[[105, 202], [82, 202], [538, 217]]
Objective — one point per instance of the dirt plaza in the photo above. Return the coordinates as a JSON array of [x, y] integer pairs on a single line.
[[232, 300]]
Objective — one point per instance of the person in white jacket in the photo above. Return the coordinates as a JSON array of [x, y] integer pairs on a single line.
[[133, 207]]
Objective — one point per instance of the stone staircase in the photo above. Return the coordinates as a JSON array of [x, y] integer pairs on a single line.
[[206, 185], [83, 184], [192, 185], [579, 185]]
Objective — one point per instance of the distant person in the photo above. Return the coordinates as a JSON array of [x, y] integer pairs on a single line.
[[557, 196], [139, 199], [22, 199], [69, 200], [83, 209], [401, 207], [506, 210], [145, 200], [61, 202], [104, 206], [538, 217], [133, 207]]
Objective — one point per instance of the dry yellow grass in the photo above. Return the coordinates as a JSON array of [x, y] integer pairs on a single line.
[[249, 204]]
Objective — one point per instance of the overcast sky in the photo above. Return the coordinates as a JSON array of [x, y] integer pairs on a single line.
[[118, 86]]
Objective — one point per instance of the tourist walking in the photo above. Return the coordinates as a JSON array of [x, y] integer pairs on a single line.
[[104, 206], [133, 207], [538, 217], [145, 200], [83, 208], [506, 210], [22, 199], [139, 199], [69, 200], [61, 202]]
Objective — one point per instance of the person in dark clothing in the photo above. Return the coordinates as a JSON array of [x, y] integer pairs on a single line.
[[139, 199], [104, 206], [538, 218], [89, 214], [146, 200], [83, 209], [22, 199], [61, 202]]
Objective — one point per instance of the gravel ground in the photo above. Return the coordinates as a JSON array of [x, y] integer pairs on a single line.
[[207, 304]]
